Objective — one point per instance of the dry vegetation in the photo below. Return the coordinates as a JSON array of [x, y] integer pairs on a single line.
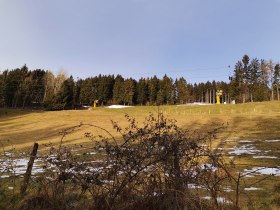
[[255, 121], [245, 121]]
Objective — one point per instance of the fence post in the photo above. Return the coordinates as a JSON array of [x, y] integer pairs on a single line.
[[27, 174]]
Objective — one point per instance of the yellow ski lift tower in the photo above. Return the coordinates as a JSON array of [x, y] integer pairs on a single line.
[[219, 93], [94, 103]]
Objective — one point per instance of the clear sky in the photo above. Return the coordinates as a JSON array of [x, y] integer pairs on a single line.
[[196, 39]]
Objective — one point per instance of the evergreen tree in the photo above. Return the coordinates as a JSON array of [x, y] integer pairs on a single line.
[[276, 79], [118, 90], [105, 88], [245, 78], [77, 93], [153, 89], [254, 72], [65, 97], [142, 91], [182, 92], [237, 82], [129, 87], [12, 90], [2, 83], [166, 91], [88, 91]]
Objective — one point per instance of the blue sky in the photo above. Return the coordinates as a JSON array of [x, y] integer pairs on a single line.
[[196, 39]]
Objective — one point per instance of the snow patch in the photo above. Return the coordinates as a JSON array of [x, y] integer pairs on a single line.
[[117, 106], [219, 199], [252, 188], [18, 166], [194, 104], [273, 140], [244, 149], [195, 186], [262, 171], [246, 141], [265, 157]]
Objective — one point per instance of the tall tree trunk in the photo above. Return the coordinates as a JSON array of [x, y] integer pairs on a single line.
[[277, 89], [214, 95], [243, 98]]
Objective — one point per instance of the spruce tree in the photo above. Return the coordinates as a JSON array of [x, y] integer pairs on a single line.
[[276, 79], [118, 90]]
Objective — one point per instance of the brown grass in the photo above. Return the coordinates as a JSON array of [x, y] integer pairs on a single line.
[[245, 121]]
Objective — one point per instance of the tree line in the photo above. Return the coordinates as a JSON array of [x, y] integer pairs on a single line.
[[252, 80]]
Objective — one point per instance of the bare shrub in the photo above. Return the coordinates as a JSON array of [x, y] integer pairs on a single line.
[[152, 166]]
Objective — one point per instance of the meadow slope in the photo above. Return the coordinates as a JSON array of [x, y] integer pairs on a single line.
[[244, 121], [251, 137]]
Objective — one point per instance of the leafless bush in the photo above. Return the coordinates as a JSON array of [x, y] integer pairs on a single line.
[[152, 166]]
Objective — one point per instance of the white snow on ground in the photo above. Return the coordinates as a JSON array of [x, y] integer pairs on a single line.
[[240, 141], [262, 171], [195, 186], [265, 157], [246, 141], [228, 189], [252, 188], [117, 106], [18, 166], [194, 104], [219, 199], [274, 140], [244, 149], [230, 140]]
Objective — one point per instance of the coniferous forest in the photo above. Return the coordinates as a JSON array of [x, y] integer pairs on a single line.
[[252, 80]]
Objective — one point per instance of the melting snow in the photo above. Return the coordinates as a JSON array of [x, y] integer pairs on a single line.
[[18, 166], [246, 141], [252, 188], [244, 149], [219, 199], [194, 186], [262, 171], [265, 157], [274, 140], [227, 189], [117, 106]]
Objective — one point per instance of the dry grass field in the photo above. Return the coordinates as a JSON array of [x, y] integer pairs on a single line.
[[250, 137], [21, 128]]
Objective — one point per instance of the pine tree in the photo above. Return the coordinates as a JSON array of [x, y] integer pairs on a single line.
[[142, 91], [118, 90], [182, 93], [245, 78], [129, 87], [166, 91], [276, 79], [153, 89], [254, 72], [65, 97], [2, 82]]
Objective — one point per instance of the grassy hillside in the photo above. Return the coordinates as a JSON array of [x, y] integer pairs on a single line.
[[250, 139], [245, 121]]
